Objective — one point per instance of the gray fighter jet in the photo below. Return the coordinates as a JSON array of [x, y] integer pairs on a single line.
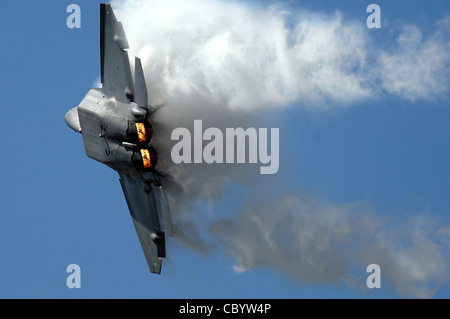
[[114, 123]]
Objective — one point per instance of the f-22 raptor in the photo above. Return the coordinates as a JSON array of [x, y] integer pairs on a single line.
[[114, 121]]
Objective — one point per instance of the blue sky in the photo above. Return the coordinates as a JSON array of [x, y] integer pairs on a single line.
[[385, 149]]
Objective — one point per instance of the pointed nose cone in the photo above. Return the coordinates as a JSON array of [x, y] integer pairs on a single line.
[[72, 120]]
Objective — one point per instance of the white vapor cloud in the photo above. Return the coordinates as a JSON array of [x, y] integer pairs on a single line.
[[316, 242], [246, 58], [225, 62], [418, 67]]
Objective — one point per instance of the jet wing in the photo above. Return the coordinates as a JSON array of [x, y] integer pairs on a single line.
[[115, 66], [145, 205]]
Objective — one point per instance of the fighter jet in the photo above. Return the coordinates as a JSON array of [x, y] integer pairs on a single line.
[[114, 121]]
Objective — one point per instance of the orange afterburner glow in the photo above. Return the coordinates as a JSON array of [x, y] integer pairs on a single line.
[[146, 159], [142, 132]]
